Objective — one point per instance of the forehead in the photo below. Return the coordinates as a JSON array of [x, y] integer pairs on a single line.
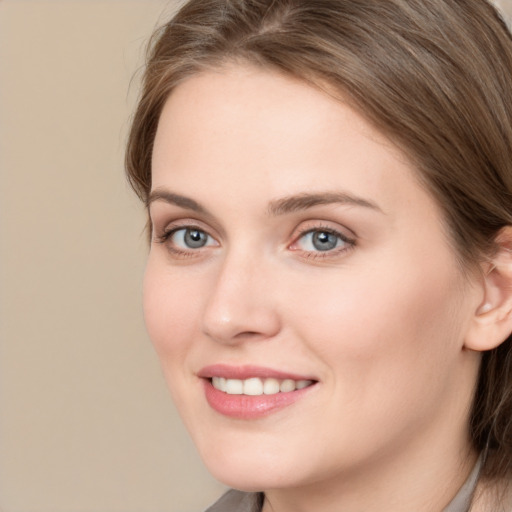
[[243, 133]]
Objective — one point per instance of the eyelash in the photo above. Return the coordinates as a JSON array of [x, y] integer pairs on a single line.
[[349, 243]]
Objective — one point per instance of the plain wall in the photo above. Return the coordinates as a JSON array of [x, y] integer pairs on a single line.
[[86, 422]]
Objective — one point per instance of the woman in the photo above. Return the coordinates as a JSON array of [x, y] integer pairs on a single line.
[[329, 285]]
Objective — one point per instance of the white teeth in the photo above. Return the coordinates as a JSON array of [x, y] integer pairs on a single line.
[[219, 383], [271, 386], [253, 387], [287, 385], [234, 387], [301, 384], [256, 387]]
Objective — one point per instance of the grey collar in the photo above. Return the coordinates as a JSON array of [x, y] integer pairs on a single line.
[[462, 501]]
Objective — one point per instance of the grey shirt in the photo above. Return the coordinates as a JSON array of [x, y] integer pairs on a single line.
[[238, 501]]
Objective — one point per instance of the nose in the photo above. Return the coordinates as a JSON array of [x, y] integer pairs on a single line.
[[241, 305]]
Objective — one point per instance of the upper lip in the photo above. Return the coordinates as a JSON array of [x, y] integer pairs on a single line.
[[247, 371]]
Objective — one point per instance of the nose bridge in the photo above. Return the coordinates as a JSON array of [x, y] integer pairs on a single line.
[[240, 304]]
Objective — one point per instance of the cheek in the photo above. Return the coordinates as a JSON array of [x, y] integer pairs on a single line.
[[384, 324], [169, 310], [389, 348]]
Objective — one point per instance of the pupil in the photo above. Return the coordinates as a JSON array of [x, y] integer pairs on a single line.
[[195, 238], [324, 241]]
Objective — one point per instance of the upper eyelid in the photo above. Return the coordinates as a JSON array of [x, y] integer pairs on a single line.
[[182, 223], [185, 219], [319, 225], [327, 229]]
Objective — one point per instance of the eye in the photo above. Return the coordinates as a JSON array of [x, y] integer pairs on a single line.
[[190, 238], [322, 241]]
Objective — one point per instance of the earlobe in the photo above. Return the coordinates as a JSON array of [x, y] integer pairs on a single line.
[[492, 321]]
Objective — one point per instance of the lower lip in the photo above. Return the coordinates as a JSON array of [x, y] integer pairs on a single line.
[[247, 407]]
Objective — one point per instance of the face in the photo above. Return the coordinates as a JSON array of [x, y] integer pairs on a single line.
[[301, 291]]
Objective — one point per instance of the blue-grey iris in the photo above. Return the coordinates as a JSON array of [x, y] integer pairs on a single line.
[[195, 239], [324, 241]]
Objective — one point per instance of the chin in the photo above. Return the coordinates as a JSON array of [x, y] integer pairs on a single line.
[[252, 478], [247, 483], [252, 470]]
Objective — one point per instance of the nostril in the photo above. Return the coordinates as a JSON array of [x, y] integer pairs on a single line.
[[246, 335]]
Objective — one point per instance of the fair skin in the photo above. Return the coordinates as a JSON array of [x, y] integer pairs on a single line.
[[356, 291]]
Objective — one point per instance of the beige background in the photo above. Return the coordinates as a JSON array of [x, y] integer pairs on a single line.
[[86, 424]]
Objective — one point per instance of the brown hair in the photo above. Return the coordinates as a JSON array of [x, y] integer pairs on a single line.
[[432, 75]]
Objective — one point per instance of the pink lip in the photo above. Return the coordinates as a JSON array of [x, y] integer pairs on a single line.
[[249, 407], [246, 372]]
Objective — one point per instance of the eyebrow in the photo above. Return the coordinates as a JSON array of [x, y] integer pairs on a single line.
[[176, 199], [309, 200], [277, 207]]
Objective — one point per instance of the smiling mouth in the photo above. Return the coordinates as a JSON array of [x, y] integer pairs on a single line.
[[256, 386], [252, 392]]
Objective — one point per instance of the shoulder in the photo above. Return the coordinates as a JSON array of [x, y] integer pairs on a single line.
[[237, 501]]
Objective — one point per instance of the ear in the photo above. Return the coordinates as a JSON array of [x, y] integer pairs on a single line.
[[492, 321]]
